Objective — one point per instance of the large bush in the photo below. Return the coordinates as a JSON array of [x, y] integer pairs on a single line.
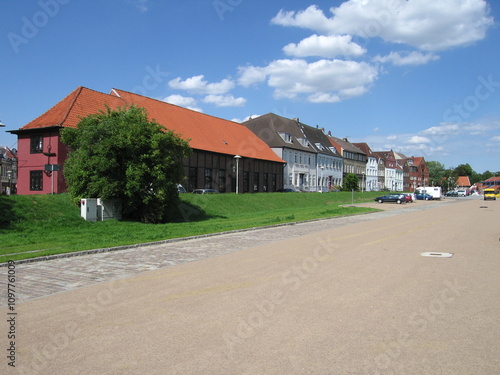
[[120, 154]]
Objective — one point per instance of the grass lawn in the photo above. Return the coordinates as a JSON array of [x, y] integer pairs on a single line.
[[39, 225]]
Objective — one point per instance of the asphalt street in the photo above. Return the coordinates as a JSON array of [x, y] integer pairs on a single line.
[[354, 297]]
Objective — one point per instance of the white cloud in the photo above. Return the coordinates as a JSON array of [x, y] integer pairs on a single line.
[[245, 119], [416, 139], [225, 101], [183, 101], [198, 85], [413, 58], [325, 46], [495, 138], [321, 81], [428, 25]]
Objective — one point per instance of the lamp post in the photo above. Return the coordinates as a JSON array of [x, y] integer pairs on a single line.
[[237, 157]]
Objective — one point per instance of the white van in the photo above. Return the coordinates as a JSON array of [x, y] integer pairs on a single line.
[[434, 191]]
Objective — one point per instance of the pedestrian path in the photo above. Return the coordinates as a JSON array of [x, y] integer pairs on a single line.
[[39, 279]]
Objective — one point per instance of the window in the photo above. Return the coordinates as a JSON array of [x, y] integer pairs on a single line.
[[222, 180], [208, 178], [287, 137], [36, 146], [255, 182], [36, 180], [266, 181]]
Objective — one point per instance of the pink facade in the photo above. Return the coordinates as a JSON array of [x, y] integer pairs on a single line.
[[36, 149]]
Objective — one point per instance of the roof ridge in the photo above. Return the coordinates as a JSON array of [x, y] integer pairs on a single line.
[[174, 105]]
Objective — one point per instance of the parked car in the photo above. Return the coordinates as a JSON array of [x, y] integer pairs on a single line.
[[398, 198], [451, 194], [286, 191], [489, 194], [426, 197], [409, 197], [461, 193], [205, 191]]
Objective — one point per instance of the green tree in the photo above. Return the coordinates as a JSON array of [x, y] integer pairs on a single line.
[[120, 154], [437, 173], [351, 182], [464, 170]]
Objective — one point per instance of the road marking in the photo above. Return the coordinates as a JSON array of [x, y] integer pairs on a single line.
[[437, 255]]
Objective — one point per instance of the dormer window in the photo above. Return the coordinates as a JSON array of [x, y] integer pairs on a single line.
[[304, 142], [319, 146], [332, 149], [287, 137]]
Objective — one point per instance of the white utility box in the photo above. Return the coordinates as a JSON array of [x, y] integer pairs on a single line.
[[88, 209]]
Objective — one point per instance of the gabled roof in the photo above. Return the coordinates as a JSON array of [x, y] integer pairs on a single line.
[[319, 140], [69, 111], [463, 181], [345, 145], [365, 148], [269, 126], [203, 132]]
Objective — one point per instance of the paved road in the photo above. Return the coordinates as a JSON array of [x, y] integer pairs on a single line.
[[41, 279], [353, 298]]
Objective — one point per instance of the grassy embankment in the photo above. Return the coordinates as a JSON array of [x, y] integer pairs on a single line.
[[33, 226]]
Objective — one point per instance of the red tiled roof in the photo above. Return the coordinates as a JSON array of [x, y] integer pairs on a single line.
[[463, 181], [71, 109], [204, 132]]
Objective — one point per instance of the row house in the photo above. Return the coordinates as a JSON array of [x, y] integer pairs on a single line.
[[370, 181], [354, 158], [416, 173], [222, 150], [312, 164], [8, 170], [393, 171]]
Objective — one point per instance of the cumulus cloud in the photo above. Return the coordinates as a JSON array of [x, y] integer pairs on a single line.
[[225, 100], [325, 46], [412, 58], [198, 85], [427, 25], [319, 81], [495, 138], [183, 101]]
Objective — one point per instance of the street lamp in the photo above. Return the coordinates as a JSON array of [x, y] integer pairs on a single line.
[[9, 175], [237, 157]]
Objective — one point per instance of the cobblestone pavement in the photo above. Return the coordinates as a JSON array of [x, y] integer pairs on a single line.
[[39, 279]]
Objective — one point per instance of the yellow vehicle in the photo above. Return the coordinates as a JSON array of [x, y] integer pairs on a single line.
[[489, 194]]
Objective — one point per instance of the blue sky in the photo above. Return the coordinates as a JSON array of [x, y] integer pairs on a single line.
[[421, 77]]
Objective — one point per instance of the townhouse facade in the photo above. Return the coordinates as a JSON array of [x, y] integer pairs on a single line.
[[8, 170], [312, 164], [222, 150], [354, 158], [370, 182]]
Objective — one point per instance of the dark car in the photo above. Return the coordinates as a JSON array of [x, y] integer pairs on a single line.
[[426, 197], [398, 198], [286, 191], [205, 191], [451, 194]]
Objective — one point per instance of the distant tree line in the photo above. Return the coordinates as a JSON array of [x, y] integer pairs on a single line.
[[439, 175]]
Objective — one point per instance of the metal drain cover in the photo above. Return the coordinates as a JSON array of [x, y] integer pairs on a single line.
[[437, 255]]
